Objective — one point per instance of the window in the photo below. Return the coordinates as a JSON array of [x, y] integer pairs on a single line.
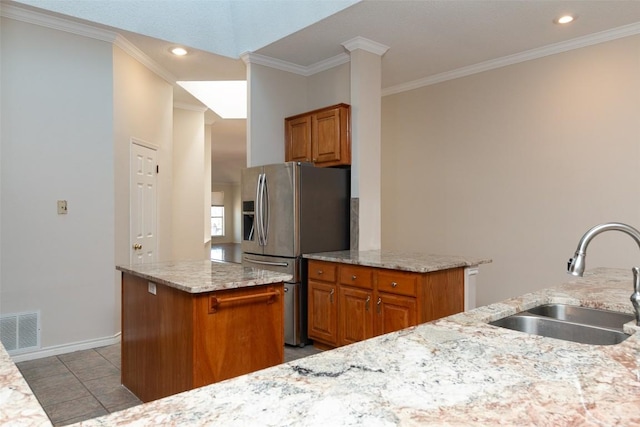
[[217, 221]]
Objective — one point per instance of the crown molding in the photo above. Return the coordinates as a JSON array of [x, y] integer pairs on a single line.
[[141, 57], [278, 64], [365, 44], [56, 23], [190, 107], [84, 30], [577, 43], [328, 63]]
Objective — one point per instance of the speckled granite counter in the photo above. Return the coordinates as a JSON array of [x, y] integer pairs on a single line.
[[204, 276], [455, 371], [18, 405], [398, 260]]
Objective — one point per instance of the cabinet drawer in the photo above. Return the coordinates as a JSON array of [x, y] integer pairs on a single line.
[[398, 283], [360, 277], [323, 271]]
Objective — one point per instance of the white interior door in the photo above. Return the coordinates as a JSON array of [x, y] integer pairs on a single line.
[[143, 204]]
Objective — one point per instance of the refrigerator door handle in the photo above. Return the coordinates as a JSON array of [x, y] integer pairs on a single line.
[[276, 264], [265, 210], [258, 219]]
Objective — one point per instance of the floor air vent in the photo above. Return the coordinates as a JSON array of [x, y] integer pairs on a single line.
[[20, 332]]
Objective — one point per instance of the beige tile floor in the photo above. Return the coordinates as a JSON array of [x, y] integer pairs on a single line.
[[86, 384]]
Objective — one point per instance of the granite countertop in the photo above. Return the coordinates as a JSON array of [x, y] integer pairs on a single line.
[[455, 371], [399, 260], [18, 404], [204, 275]]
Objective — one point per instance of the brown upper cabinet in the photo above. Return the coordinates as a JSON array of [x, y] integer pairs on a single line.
[[321, 136]]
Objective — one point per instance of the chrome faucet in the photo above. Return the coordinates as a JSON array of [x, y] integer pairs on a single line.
[[576, 264]]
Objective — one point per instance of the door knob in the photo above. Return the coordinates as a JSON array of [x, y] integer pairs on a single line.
[[137, 246]]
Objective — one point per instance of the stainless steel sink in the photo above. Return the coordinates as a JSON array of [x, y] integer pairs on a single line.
[[583, 315], [570, 323]]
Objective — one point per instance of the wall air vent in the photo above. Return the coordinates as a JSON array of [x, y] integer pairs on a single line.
[[20, 332]]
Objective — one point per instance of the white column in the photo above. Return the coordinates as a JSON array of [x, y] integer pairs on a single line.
[[366, 93]]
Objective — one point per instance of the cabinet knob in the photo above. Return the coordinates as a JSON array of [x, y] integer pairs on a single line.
[[394, 284], [320, 272], [137, 246], [353, 277]]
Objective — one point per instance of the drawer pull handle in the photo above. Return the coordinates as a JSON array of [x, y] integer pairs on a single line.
[[378, 305], [353, 277], [366, 303], [394, 284], [214, 302], [333, 291]]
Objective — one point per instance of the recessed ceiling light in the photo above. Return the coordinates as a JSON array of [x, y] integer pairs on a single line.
[[565, 19], [179, 51]]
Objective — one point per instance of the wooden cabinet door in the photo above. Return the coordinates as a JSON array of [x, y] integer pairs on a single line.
[[394, 312], [326, 137], [237, 331], [322, 307], [298, 139], [355, 321]]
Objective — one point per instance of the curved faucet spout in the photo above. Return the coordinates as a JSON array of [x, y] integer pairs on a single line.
[[577, 264]]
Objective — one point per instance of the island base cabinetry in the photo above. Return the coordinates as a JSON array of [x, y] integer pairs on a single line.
[[173, 341], [350, 303]]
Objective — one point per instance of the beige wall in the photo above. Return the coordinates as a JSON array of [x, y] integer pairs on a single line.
[[273, 95], [57, 143], [329, 87], [188, 181], [516, 164]]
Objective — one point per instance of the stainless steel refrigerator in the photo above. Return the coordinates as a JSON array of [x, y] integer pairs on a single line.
[[289, 209]]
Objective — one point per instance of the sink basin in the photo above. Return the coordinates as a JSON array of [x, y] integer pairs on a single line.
[[570, 323], [583, 315]]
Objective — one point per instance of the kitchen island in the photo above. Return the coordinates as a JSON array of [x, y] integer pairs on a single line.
[[356, 295], [192, 323], [455, 371]]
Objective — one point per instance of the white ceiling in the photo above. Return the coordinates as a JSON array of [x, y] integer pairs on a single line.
[[426, 39]]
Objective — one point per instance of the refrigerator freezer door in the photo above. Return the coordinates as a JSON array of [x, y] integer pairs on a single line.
[[279, 264], [291, 313]]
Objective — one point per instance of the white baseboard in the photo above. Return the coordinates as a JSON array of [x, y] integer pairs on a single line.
[[66, 348]]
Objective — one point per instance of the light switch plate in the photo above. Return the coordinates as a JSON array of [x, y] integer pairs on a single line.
[[62, 207], [152, 288]]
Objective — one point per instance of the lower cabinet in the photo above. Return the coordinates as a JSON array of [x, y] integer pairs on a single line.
[[356, 315], [173, 341], [374, 301], [322, 309], [395, 312]]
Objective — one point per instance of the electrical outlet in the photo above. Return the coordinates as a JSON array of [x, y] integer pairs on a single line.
[[62, 207], [152, 288]]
